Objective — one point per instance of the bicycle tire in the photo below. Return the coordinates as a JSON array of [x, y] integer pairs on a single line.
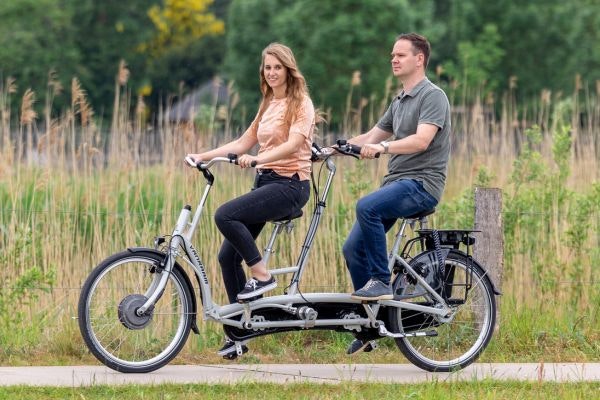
[[459, 341], [106, 310]]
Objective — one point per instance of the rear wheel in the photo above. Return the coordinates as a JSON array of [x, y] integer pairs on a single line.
[[109, 324], [460, 338]]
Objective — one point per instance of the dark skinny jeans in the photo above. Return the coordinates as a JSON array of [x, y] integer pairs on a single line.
[[241, 220]]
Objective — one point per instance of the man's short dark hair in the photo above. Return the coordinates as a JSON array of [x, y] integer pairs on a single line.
[[420, 44]]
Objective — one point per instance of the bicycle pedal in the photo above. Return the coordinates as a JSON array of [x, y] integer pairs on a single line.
[[371, 346], [239, 349], [234, 351]]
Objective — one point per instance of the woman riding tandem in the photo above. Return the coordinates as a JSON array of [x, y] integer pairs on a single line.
[[283, 129]]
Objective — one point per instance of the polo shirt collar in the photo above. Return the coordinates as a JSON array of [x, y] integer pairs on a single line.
[[415, 90]]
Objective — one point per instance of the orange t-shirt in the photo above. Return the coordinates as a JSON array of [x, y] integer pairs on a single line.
[[271, 131]]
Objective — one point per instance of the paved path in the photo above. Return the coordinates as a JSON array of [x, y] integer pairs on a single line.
[[73, 376]]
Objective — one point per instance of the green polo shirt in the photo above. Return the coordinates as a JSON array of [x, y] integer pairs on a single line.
[[425, 104]]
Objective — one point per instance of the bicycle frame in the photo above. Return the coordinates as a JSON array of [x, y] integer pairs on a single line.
[[297, 304]]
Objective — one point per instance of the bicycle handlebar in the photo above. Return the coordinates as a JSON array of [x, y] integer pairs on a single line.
[[342, 147], [318, 153], [231, 158]]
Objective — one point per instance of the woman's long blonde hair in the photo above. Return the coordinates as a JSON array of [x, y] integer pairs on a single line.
[[296, 84]]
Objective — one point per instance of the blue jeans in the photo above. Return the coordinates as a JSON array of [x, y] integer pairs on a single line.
[[365, 249]]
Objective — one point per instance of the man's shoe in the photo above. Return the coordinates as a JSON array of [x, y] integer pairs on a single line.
[[254, 287], [229, 351], [374, 290], [358, 345]]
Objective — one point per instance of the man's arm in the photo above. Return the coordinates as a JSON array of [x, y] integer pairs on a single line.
[[416, 143], [375, 135]]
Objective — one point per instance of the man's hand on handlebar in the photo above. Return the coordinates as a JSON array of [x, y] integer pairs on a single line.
[[370, 151], [344, 147]]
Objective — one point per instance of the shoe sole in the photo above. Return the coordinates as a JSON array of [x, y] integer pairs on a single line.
[[359, 349], [382, 297], [257, 292]]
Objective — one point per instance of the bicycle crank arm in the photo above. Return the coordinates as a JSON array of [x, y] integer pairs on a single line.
[[385, 332]]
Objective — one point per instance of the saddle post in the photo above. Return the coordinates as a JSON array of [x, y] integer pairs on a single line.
[[423, 222], [278, 226], [421, 219]]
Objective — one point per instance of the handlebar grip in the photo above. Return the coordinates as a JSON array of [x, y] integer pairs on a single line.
[[355, 149], [253, 164], [191, 162], [352, 148]]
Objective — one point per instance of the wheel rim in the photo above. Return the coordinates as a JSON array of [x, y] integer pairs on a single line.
[[462, 338], [113, 296]]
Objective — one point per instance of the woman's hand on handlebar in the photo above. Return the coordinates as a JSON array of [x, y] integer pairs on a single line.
[[246, 161], [192, 160]]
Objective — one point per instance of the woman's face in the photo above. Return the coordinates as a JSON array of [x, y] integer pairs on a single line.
[[275, 73]]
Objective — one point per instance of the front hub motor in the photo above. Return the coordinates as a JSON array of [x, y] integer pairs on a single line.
[[128, 315]]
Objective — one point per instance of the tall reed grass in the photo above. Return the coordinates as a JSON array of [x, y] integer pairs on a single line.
[[73, 192]]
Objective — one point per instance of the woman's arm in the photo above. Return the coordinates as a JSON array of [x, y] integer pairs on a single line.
[[295, 141], [241, 145]]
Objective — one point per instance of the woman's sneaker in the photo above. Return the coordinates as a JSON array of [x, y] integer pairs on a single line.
[[229, 351], [254, 287]]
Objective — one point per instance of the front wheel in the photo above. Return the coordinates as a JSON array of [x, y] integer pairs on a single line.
[[109, 324], [460, 338]]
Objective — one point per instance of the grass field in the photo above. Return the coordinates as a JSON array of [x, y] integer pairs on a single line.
[[73, 192], [442, 390]]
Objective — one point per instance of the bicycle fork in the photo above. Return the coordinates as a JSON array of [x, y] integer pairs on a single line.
[[159, 282]]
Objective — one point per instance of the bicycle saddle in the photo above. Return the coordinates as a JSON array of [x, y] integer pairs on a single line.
[[421, 214], [293, 215]]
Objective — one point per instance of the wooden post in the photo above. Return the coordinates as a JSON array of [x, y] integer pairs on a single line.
[[489, 245]]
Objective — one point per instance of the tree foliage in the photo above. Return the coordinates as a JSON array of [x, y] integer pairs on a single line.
[[185, 50], [476, 61], [180, 23], [107, 32], [331, 41], [477, 44], [88, 38], [37, 37], [249, 30], [544, 44]]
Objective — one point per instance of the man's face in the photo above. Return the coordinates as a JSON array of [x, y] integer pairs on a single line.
[[404, 62]]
